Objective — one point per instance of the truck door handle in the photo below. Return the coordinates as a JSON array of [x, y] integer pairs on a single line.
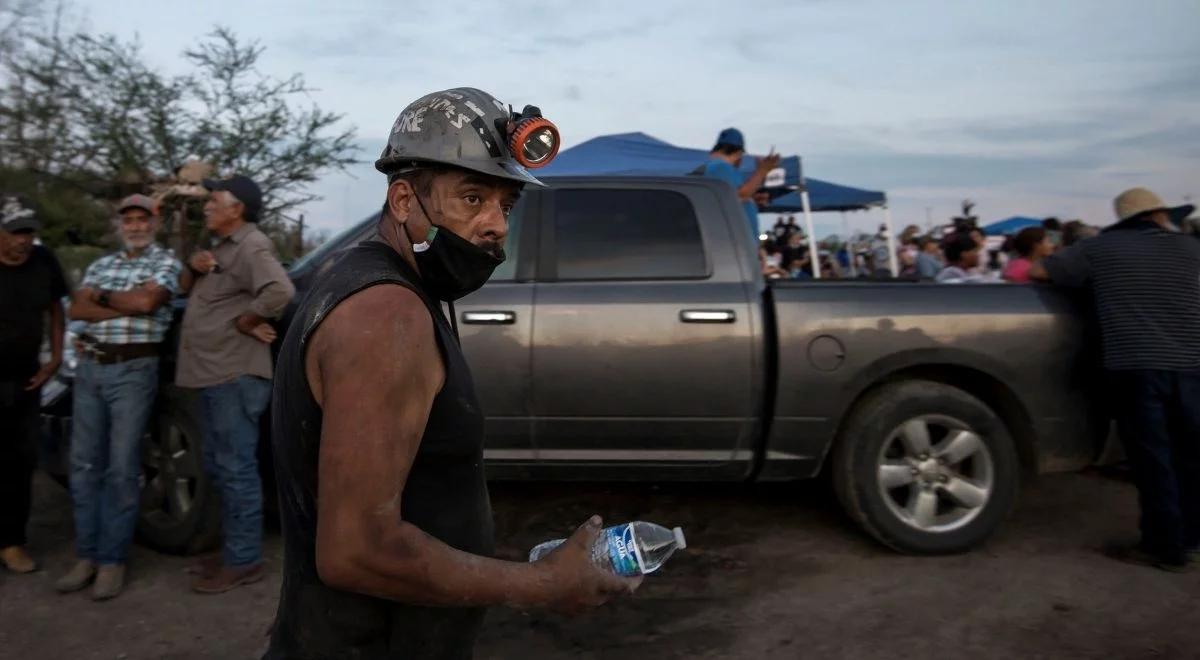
[[489, 318], [707, 316]]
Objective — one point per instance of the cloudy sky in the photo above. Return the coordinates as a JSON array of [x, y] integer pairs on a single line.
[[1032, 108]]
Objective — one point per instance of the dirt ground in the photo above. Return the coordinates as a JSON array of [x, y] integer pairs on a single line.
[[771, 572]]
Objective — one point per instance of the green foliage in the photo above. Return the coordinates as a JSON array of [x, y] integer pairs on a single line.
[[76, 258], [69, 214]]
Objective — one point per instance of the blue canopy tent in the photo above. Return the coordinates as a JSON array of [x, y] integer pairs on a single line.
[[1011, 225], [826, 196], [641, 154]]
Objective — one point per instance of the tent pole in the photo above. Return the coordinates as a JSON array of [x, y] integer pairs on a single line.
[[891, 241], [849, 247], [814, 255]]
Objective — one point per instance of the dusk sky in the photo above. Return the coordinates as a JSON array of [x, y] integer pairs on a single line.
[[1029, 108]]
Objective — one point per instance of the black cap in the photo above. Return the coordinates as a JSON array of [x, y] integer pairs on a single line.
[[16, 214], [244, 189]]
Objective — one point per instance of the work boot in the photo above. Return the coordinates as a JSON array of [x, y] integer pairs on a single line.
[[110, 579], [17, 560], [227, 578], [80, 576]]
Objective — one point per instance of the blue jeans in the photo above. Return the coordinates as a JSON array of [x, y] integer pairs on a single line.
[[231, 413], [112, 403], [1158, 416]]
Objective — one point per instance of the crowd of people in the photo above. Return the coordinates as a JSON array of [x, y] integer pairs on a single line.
[[123, 303], [952, 255], [960, 254]]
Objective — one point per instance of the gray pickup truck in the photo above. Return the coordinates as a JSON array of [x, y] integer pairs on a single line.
[[631, 336]]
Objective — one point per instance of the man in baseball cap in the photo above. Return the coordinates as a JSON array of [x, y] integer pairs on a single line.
[[16, 215], [31, 287], [238, 288], [725, 159], [1145, 278], [243, 190], [124, 298]]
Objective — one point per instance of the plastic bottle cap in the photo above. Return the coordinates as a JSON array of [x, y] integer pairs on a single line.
[[680, 542]]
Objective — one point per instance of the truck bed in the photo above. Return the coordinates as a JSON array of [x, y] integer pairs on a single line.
[[1025, 350]]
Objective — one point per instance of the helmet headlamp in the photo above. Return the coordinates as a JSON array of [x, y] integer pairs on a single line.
[[533, 140]]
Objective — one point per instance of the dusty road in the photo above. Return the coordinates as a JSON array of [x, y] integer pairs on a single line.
[[772, 572]]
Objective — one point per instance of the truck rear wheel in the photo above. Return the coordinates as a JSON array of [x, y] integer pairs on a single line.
[[925, 468], [180, 508]]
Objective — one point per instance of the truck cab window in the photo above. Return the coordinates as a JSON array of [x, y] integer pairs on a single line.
[[626, 234]]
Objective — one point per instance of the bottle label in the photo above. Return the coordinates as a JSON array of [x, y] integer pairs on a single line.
[[623, 551]]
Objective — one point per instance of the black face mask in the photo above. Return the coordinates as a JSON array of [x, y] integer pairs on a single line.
[[451, 266]]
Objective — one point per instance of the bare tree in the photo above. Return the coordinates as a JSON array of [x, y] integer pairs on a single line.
[[87, 112], [14, 14], [252, 124]]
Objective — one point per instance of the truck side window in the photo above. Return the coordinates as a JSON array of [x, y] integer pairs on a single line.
[[627, 234]]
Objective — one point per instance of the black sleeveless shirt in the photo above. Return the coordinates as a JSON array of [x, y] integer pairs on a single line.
[[445, 495]]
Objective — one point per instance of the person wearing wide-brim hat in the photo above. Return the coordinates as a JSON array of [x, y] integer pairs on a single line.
[[1145, 277], [1142, 204]]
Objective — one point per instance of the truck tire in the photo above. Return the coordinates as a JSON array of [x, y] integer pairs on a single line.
[[925, 468], [180, 508]]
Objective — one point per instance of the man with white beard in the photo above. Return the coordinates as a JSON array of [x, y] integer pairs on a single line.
[[123, 297]]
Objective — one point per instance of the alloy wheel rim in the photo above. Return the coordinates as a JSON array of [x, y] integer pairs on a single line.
[[935, 473]]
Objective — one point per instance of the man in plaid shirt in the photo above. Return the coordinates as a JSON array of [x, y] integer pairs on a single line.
[[124, 297]]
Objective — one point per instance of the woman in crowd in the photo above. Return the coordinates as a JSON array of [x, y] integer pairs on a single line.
[[1031, 246]]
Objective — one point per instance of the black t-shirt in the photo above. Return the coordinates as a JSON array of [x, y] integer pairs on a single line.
[[26, 294]]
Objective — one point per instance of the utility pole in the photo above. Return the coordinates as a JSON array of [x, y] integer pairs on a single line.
[[300, 236], [296, 239]]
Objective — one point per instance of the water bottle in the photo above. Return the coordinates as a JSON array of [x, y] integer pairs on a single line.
[[631, 549]]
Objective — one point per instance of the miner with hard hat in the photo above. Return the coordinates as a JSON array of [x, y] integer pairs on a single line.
[[378, 433]]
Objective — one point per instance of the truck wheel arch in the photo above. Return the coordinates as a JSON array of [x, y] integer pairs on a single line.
[[977, 382]]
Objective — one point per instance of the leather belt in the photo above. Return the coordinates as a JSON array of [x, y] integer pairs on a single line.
[[117, 353]]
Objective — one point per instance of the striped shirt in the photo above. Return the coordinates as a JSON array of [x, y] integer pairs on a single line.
[[117, 272], [1146, 285]]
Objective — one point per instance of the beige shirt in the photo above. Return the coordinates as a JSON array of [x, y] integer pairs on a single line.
[[211, 349]]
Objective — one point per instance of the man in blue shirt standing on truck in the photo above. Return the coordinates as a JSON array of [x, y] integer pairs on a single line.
[[725, 159]]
